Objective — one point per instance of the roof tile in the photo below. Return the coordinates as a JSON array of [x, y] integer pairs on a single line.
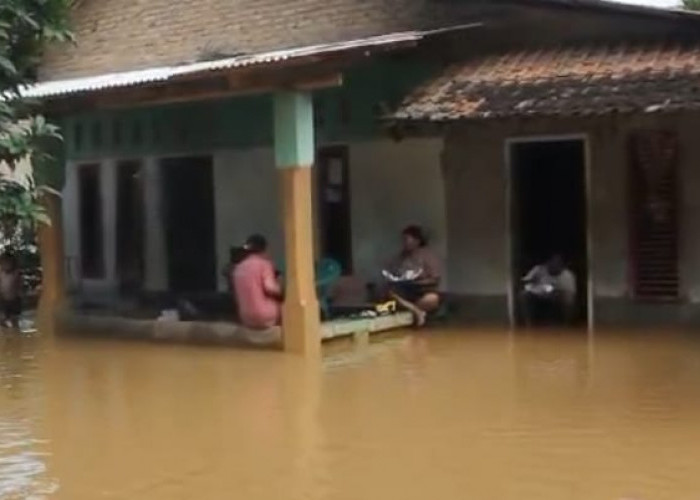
[[562, 81]]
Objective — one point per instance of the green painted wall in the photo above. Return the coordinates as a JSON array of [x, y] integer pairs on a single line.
[[341, 114], [294, 130]]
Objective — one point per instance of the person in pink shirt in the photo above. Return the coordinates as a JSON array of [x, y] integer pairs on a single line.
[[258, 292]]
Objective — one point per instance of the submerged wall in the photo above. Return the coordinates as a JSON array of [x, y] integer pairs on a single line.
[[476, 181], [392, 185], [456, 187]]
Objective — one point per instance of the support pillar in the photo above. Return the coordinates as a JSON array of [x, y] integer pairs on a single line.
[[294, 155], [155, 255], [52, 258]]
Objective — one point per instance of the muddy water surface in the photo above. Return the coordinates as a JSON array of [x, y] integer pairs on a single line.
[[446, 415]]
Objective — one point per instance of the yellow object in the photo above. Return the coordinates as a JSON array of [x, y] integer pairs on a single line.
[[386, 307], [301, 322]]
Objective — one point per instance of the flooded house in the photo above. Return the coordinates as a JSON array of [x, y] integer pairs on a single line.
[[508, 129]]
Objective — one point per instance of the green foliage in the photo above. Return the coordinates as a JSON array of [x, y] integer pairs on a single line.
[[26, 27], [19, 208], [691, 4]]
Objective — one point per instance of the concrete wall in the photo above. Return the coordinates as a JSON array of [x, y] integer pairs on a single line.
[[247, 198], [456, 188], [476, 183], [392, 184], [475, 190]]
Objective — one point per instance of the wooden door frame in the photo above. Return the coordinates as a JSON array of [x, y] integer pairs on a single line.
[[140, 168], [341, 151], [509, 143]]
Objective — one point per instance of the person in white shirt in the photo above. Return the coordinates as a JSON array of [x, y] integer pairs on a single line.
[[552, 285]]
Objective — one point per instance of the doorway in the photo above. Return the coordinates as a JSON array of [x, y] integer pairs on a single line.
[[334, 205], [548, 212], [188, 194], [92, 258], [130, 217]]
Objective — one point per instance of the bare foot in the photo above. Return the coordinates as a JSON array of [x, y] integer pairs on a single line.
[[420, 317]]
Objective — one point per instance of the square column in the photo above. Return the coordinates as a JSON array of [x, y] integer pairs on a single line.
[[155, 255], [52, 258], [294, 156]]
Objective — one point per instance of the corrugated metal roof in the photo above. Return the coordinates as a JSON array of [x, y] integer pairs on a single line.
[[566, 81], [164, 74]]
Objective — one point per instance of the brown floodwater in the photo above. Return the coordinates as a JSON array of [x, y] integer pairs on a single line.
[[441, 415]]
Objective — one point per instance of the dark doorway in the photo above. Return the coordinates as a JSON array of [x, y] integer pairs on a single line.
[[549, 210], [188, 193], [334, 205], [130, 217], [92, 261]]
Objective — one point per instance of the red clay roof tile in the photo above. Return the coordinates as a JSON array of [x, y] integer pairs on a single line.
[[563, 81]]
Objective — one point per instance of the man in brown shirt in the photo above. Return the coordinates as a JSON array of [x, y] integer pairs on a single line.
[[413, 277]]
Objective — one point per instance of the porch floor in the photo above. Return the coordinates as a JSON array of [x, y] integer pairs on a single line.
[[212, 332]]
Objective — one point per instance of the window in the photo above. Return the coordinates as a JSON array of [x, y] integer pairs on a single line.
[[654, 208], [91, 227]]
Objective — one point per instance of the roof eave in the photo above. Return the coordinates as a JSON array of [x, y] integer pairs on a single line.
[[265, 61]]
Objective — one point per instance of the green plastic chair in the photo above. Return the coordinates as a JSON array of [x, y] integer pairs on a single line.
[[327, 272]]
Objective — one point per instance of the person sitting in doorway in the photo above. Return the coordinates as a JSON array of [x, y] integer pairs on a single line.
[[413, 277], [549, 286], [257, 291]]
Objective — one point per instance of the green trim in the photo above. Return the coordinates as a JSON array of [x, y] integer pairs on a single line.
[[294, 129], [345, 114]]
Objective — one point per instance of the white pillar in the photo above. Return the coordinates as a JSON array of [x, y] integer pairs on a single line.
[[109, 221], [294, 152], [155, 254], [71, 226]]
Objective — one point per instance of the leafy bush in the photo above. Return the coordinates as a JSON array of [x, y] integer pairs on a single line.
[[26, 26]]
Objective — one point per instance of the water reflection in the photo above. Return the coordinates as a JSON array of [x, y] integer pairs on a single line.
[[549, 362], [22, 450], [451, 414]]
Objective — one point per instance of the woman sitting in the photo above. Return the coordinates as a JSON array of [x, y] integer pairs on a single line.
[[413, 277], [257, 291]]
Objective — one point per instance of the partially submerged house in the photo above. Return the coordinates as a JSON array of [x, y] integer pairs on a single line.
[[509, 129]]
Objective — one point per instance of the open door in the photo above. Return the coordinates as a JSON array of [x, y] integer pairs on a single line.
[[549, 212], [334, 205], [92, 256], [188, 192], [130, 217]]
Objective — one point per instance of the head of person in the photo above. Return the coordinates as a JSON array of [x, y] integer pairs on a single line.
[[8, 262], [237, 255], [255, 244], [555, 265], [413, 238]]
